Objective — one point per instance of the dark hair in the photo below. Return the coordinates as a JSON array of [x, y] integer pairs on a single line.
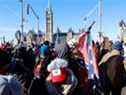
[[4, 58], [46, 43]]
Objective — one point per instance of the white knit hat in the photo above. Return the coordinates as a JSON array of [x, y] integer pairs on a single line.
[[57, 64]]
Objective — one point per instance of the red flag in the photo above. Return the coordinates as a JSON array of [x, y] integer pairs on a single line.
[[82, 45]]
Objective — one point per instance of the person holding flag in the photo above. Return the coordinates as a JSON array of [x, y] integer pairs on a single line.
[[85, 46]]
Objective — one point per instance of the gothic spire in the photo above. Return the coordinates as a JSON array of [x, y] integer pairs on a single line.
[[49, 5]]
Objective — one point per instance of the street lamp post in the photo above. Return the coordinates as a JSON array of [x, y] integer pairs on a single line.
[[22, 17], [100, 16], [34, 13], [89, 14], [22, 24]]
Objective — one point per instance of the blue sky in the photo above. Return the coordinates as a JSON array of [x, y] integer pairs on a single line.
[[67, 13]]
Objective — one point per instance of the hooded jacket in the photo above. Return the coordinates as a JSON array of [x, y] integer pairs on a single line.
[[9, 86]]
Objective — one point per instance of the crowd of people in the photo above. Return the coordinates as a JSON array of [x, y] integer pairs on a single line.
[[63, 69]]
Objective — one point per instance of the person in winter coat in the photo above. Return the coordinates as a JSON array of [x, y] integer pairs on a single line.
[[112, 65], [61, 78], [9, 85]]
